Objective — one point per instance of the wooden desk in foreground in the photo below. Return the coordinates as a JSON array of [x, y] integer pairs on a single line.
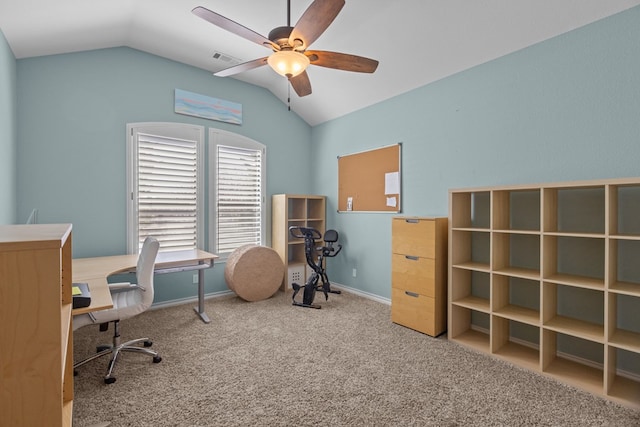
[[95, 271]]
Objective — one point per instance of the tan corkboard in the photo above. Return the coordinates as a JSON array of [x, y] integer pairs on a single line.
[[371, 180]]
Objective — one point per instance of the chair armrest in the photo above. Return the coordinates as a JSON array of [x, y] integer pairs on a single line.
[[123, 286]]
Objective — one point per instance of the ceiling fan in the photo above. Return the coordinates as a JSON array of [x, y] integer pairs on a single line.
[[290, 56]]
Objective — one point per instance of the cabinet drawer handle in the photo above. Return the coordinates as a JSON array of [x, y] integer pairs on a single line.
[[411, 294], [412, 220], [411, 257]]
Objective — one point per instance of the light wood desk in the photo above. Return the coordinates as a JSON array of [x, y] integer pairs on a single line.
[[94, 272]]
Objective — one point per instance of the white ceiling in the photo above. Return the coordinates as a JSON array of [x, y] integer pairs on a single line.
[[416, 41]]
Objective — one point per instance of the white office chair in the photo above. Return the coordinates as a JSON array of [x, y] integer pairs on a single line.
[[128, 300]]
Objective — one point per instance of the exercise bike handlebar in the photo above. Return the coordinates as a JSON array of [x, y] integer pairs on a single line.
[[302, 232], [312, 233]]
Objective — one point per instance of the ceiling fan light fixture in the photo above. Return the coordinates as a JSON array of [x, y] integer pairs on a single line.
[[288, 63]]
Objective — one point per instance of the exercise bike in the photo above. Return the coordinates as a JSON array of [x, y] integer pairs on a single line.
[[310, 235]]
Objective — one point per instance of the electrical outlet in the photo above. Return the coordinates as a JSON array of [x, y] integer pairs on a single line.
[[195, 277], [355, 272]]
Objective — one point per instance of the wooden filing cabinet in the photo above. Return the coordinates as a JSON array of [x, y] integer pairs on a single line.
[[419, 273]]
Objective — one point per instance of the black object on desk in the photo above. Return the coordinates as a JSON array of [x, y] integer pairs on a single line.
[[81, 295]]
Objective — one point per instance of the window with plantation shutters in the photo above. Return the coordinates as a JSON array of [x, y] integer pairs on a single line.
[[237, 165], [165, 170]]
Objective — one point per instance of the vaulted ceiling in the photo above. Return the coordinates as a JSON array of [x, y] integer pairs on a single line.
[[416, 41]]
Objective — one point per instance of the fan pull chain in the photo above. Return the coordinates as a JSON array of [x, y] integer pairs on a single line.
[[288, 96]]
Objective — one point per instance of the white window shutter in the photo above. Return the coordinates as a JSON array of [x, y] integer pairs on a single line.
[[239, 197], [167, 191], [165, 175]]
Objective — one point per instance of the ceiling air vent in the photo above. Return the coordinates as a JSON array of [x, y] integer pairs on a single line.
[[226, 60]]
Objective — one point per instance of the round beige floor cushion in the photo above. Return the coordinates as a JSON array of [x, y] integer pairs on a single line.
[[254, 272]]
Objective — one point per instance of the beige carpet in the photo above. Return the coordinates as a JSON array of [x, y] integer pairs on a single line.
[[268, 363]]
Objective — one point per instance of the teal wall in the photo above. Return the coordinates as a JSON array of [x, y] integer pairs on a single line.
[[8, 133], [72, 113], [564, 109]]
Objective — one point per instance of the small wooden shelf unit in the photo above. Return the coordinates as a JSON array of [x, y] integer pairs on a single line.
[[36, 339], [419, 273], [289, 210], [548, 277]]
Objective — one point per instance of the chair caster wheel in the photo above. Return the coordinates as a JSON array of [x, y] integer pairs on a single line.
[[157, 359], [102, 348], [75, 373], [109, 380], [147, 343]]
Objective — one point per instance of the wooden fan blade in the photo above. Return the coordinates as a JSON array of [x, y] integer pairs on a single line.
[[245, 66], [314, 21], [301, 84], [342, 61], [233, 27]]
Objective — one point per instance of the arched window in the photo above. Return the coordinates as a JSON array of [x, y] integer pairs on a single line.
[[237, 191], [165, 182]]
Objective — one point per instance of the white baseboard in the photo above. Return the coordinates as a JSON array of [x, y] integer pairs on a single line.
[[181, 301], [363, 294], [220, 294]]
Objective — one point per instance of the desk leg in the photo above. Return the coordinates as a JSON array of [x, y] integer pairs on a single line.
[[200, 308]]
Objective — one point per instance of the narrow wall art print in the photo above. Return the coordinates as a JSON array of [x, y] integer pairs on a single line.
[[207, 107]]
